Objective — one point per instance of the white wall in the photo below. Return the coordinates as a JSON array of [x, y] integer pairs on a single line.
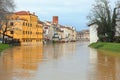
[[65, 34], [93, 33], [118, 28]]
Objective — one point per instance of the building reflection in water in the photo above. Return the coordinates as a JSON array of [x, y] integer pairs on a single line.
[[27, 62], [23, 63], [20, 63], [55, 51], [103, 66]]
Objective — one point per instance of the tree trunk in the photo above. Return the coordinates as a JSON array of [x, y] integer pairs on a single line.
[[3, 38]]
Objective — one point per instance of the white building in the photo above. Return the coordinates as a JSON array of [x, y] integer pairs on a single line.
[[69, 33], [48, 30], [93, 32], [64, 34], [93, 26], [83, 35], [118, 28]]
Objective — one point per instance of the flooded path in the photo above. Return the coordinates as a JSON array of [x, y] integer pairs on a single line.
[[68, 61]]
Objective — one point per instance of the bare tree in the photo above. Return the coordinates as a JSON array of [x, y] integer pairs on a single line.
[[6, 7], [105, 18]]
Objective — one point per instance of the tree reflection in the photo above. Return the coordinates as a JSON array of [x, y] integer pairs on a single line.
[[105, 67]]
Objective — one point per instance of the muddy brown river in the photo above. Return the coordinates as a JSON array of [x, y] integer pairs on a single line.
[[66, 61]]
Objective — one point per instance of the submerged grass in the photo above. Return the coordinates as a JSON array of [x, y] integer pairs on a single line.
[[4, 46], [106, 46]]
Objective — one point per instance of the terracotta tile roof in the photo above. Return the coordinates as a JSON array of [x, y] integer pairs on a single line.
[[23, 19], [49, 22], [61, 26], [40, 22], [23, 13], [84, 31]]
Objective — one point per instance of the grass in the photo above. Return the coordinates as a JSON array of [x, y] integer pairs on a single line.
[[4, 46], [106, 46]]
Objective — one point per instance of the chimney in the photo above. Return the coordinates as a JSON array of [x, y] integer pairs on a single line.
[[55, 19]]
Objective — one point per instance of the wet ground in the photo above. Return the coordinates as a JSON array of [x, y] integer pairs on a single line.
[[67, 61]]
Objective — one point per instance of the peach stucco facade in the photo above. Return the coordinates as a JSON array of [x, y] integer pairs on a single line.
[[25, 27]]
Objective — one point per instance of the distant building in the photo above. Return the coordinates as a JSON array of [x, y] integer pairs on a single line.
[[55, 20], [69, 33], [83, 35], [48, 31], [53, 31]]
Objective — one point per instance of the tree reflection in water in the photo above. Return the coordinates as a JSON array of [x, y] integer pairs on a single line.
[[104, 66]]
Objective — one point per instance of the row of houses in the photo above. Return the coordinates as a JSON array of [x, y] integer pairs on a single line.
[[83, 35], [58, 33], [25, 28]]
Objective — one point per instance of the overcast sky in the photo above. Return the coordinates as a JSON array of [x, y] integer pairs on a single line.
[[70, 12]]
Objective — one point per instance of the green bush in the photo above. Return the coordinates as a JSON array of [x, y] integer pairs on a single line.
[[104, 39], [117, 39]]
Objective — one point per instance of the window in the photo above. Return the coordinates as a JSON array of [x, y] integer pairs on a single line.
[[23, 23], [11, 23], [26, 32], [36, 32], [30, 25], [23, 40], [11, 32], [26, 24], [23, 32], [30, 32]]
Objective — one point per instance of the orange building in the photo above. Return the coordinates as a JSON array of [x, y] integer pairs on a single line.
[[25, 27]]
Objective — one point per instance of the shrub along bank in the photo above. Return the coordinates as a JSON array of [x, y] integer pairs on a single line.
[[106, 46], [4, 46]]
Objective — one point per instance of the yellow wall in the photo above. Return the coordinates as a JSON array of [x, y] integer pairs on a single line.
[[26, 28]]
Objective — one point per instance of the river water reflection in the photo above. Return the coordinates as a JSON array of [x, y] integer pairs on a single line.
[[68, 61]]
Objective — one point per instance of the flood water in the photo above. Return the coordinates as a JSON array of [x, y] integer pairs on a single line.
[[67, 61]]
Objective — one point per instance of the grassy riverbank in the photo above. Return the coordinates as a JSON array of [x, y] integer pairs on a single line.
[[4, 46], [106, 46]]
